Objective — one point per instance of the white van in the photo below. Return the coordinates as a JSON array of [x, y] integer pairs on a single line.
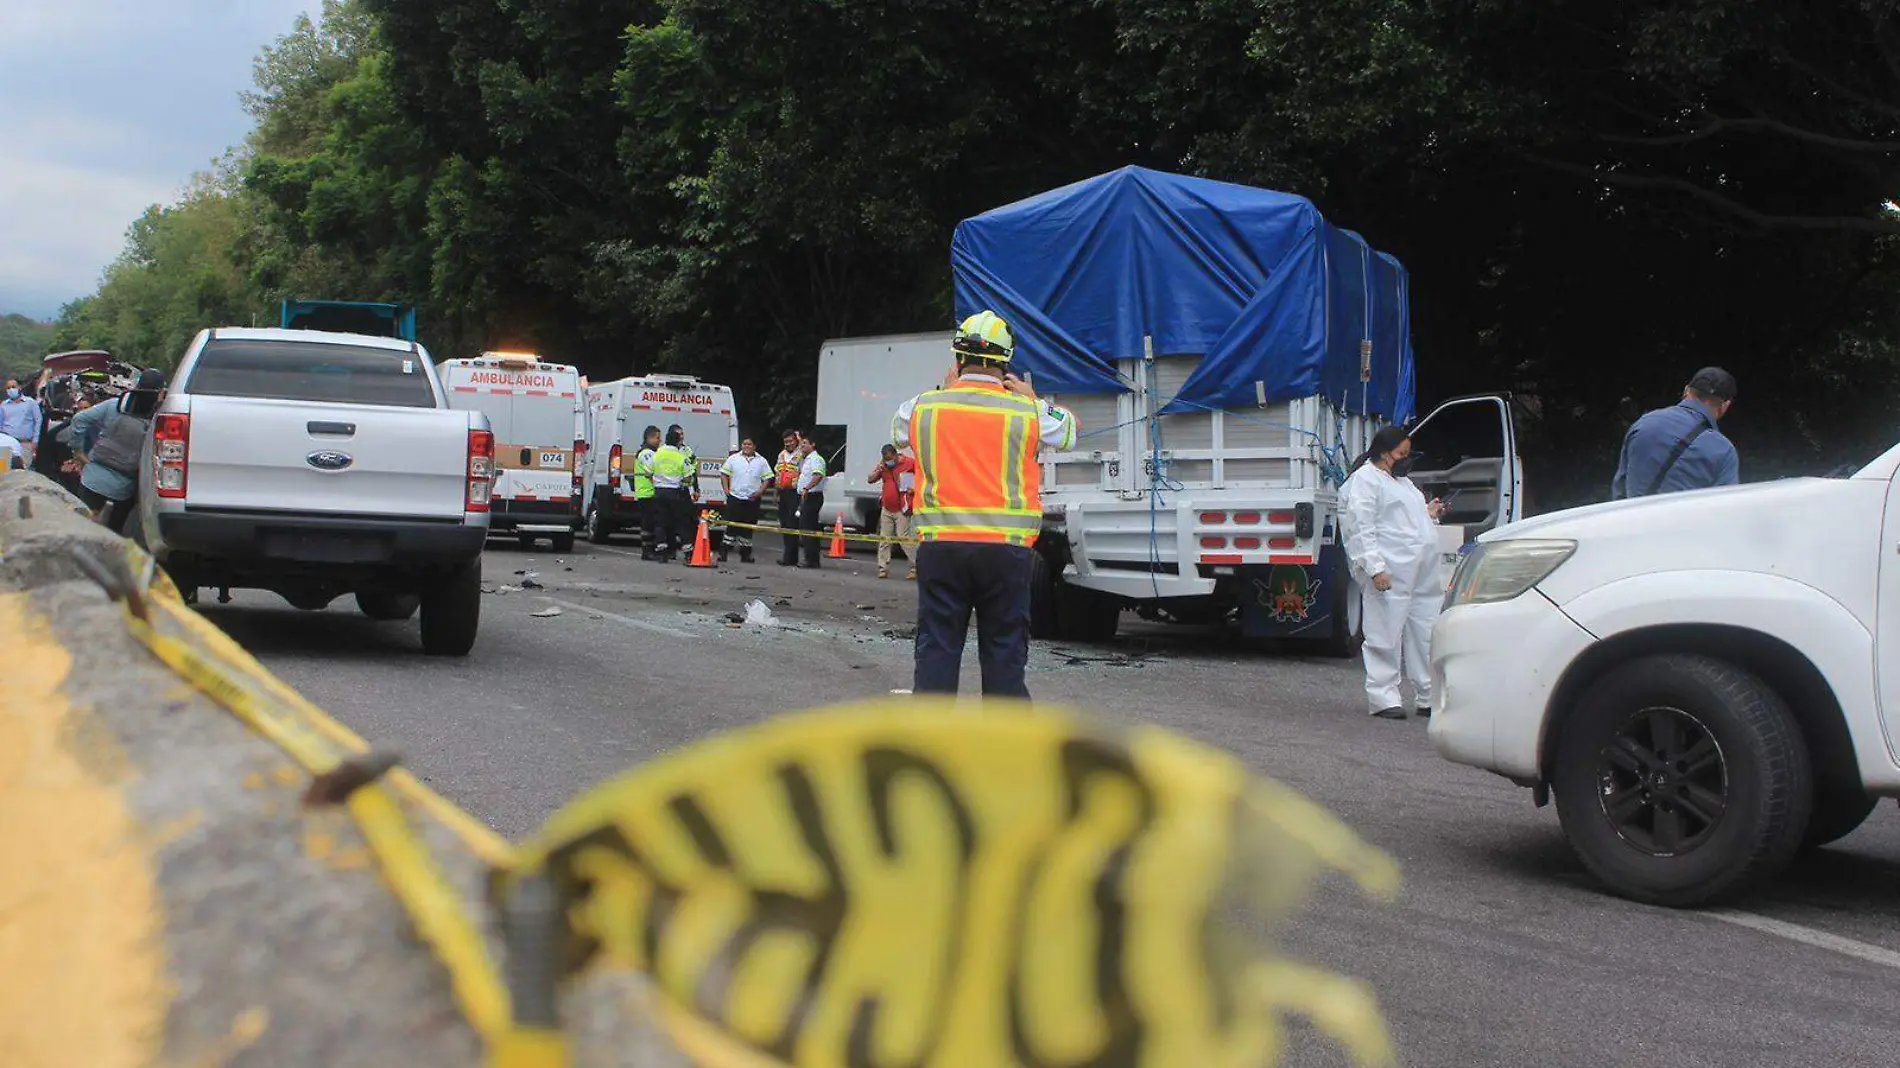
[[533, 407], [618, 412]]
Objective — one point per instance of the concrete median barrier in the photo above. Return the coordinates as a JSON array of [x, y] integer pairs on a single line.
[[200, 867], [167, 896]]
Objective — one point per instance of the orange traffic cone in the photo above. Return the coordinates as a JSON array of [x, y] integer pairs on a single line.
[[702, 547], [837, 540]]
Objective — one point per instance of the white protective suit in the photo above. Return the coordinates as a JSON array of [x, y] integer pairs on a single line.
[[1388, 529]]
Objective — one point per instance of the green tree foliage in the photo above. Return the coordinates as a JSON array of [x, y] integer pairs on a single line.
[[23, 342], [1593, 199]]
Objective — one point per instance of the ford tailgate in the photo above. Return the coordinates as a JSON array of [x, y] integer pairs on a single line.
[[322, 428]]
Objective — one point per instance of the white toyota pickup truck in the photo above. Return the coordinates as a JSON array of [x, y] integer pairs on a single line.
[[317, 464], [1708, 682]]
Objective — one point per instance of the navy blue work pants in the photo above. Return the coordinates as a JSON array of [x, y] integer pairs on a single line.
[[955, 578]]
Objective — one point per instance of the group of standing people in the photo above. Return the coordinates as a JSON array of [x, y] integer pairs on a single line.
[[800, 477], [96, 453], [1392, 530]]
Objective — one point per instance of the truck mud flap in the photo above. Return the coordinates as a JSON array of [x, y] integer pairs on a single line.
[[1293, 600]]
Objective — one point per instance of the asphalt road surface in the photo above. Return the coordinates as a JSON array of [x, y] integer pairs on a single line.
[[1499, 951]]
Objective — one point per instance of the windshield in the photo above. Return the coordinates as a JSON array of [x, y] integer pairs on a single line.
[[306, 371]]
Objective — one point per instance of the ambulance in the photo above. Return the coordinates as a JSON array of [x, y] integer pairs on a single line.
[[619, 411], [534, 407]]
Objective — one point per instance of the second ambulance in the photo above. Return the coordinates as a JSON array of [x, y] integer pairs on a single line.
[[534, 408]]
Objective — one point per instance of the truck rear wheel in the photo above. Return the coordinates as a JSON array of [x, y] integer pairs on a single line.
[[386, 606], [564, 543], [1349, 633], [1084, 615], [598, 529], [1681, 780], [452, 611], [1042, 597]]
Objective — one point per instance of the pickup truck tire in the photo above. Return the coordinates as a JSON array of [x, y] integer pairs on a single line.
[[1836, 815], [452, 611], [387, 607], [1681, 780]]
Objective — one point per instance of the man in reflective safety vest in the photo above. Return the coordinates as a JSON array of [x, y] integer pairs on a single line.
[[645, 504], [978, 508], [672, 501]]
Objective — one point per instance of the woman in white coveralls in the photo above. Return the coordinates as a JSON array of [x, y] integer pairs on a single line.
[[1392, 542]]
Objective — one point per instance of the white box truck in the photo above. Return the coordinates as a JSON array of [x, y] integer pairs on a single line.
[[861, 381], [619, 412], [532, 406], [1228, 353]]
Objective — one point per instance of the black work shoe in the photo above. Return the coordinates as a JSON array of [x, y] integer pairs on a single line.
[[1423, 712], [1395, 712]]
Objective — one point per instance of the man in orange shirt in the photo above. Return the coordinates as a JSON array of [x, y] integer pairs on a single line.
[[898, 473], [978, 508]]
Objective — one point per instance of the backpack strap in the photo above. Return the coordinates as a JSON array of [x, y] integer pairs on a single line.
[[1675, 454]]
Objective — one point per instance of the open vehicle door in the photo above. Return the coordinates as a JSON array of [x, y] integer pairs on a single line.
[[1465, 454]]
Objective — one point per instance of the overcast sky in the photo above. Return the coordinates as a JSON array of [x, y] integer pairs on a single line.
[[108, 107]]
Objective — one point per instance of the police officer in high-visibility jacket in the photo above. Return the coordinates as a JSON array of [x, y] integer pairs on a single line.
[[672, 465], [646, 504], [978, 508]]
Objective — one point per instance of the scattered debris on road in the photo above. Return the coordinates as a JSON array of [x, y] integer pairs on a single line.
[[546, 613], [757, 614]]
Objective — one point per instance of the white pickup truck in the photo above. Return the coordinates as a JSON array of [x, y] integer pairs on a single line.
[[317, 464], [1708, 682]]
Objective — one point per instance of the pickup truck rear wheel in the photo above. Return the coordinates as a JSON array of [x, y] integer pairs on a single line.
[[452, 611], [386, 606], [1681, 780]]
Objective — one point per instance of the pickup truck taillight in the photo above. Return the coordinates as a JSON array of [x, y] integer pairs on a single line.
[[613, 463], [481, 469], [171, 452]]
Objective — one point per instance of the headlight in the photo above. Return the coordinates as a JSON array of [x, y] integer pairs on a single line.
[[1501, 570]]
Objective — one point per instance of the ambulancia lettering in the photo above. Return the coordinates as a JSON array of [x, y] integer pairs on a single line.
[[513, 378], [697, 400]]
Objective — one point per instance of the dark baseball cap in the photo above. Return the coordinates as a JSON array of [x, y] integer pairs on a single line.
[[1714, 382]]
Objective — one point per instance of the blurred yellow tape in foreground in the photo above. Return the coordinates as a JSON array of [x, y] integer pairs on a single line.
[[902, 883]]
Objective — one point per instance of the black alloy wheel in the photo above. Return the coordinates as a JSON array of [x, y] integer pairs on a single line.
[[1662, 782]]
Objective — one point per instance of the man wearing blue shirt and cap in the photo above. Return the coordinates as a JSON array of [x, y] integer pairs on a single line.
[[1674, 449]]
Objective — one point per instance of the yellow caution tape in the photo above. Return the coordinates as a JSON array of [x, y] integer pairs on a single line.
[[876, 539], [409, 869], [321, 745], [908, 883], [483, 842]]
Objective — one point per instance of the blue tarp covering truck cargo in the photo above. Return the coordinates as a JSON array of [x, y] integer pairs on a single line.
[[1256, 282]]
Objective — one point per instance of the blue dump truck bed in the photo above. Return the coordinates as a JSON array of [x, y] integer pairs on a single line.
[[1274, 298], [351, 317]]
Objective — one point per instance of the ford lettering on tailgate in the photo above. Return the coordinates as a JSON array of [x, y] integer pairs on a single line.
[[329, 460]]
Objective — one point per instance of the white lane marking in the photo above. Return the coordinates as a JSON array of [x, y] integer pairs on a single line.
[[1794, 932], [615, 616]]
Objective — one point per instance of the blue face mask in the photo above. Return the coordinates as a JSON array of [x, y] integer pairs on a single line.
[[13, 393]]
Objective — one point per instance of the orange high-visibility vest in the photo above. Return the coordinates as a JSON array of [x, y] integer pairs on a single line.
[[977, 478]]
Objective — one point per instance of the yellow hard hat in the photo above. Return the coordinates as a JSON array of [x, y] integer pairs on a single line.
[[987, 336]]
